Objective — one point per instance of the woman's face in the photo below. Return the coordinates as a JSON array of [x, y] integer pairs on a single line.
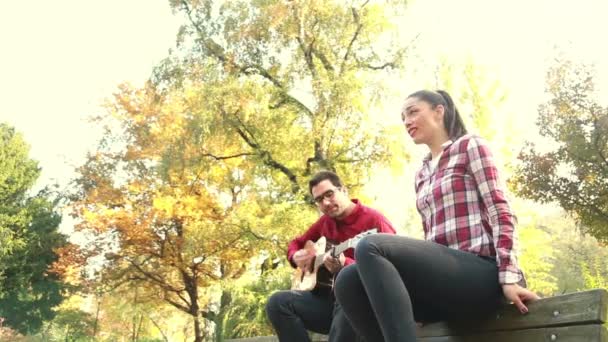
[[422, 122]]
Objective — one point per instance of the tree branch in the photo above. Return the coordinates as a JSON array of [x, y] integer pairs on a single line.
[[392, 64], [583, 202], [177, 305], [596, 142], [326, 64], [318, 158], [155, 278], [266, 157], [359, 26], [217, 51], [157, 327], [386, 65], [227, 157]]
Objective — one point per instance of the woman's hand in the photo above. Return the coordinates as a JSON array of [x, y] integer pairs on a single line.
[[518, 295]]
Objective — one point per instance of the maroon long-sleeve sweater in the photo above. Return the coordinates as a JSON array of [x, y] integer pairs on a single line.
[[361, 219]]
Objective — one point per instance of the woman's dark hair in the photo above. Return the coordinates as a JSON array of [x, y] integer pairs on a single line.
[[452, 120], [324, 175]]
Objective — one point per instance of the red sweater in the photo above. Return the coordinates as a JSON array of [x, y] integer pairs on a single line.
[[361, 219]]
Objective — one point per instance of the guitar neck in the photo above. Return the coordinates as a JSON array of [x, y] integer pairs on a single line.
[[350, 243], [336, 250]]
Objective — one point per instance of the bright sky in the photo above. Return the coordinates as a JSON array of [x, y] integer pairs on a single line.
[[513, 41], [60, 59]]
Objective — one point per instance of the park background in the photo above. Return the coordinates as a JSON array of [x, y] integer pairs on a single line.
[[155, 153]]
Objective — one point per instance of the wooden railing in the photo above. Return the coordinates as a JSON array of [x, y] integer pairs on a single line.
[[574, 317]]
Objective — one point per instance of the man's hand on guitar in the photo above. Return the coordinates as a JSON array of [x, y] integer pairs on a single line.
[[302, 258], [332, 264]]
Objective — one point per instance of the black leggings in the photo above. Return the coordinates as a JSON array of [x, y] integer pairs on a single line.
[[398, 281]]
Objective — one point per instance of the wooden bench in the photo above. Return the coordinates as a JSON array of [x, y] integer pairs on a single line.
[[575, 317]]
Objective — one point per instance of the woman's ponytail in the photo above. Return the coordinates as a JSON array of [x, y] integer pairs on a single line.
[[451, 119]]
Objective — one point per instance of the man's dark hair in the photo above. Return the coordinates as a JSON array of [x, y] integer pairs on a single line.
[[324, 175]]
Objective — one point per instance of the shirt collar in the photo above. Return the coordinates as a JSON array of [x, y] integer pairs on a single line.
[[444, 146]]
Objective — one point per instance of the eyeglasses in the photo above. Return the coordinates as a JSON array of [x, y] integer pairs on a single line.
[[329, 195]]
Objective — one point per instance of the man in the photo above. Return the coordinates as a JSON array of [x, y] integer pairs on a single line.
[[293, 312]]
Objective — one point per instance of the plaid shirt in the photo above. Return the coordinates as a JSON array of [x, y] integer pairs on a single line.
[[463, 206]]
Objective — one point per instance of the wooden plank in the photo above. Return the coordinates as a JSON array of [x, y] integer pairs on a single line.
[[585, 333], [255, 339], [589, 307], [318, 337], [313, 337]]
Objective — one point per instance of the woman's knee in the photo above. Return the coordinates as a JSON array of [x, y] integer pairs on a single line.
[[369, 245], [346, 281], [386, 246], [347, 276]]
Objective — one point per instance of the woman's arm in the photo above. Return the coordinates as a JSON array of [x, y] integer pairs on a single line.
[[483, 169]]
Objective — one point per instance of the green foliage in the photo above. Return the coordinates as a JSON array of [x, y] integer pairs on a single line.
[[134, 313], [17, 175], [207, 164], [537, 260], [595, 273], [292, 82], [281, 90], [479, 100], [246, 315], [538, 235], [556, 257], [581, 262], [28, 236], [574, 173], [72, 325]]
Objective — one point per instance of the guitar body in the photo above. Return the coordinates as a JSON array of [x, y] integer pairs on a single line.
[[316, 276]]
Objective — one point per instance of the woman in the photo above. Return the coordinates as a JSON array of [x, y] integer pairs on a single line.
[[467, 261]]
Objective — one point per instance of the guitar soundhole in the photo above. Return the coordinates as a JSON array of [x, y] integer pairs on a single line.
[[324, 277]]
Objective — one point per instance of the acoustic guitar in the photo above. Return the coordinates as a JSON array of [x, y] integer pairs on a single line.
[[316, 275]]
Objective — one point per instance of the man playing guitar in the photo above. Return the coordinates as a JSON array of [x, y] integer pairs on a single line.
[[293, 312]]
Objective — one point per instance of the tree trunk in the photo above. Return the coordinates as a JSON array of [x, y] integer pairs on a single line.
[[158, 327], [98, 298], [198, 333], [225, 301], [192, 290]]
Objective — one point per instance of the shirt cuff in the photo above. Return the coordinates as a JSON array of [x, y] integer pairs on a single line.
[[511, 276]]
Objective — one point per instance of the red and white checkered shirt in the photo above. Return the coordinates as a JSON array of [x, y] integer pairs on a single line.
[[464, 207]]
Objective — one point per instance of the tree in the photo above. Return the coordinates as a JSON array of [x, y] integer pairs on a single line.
[[71, 325], [149, 206], [295, 81], [574, 173], [132, 314], [480, 100], [540, 249], [248, 299], [580, 261], [205, 166], [28, 238]]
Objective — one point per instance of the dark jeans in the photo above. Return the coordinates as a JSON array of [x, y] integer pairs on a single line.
[[293, 312], [398, 281]]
